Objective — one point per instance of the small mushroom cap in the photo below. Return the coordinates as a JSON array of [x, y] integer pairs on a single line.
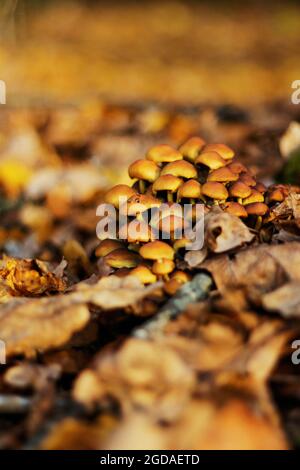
[[236, 167], [255, 196], [114, 194], [210, 159], [144, 274], [180, 168], [181, 243], [171, 223], [166, 183], [181, 276], [140, 203], [246, 178], [163, 154], [144, 170], [172, 286], [157, 250], [276, 195], [137, 231], [226, 152], [165, 210], [190, 189], [260, 187], [239, 189], [215, 190], [222, 175], [107, 246], [122, 258], [163, 266], [256, 208], [234, 208], [191, 148]]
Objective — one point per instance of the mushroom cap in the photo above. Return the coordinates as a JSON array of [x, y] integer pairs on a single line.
[[181, 243], [107, 246], [210, 159], [239, 189], [246, 178], [166, 183], [163, 154], [122, 258], [165, 210], [136, 231], [163, 266], [181, 276], [226, 152], [157, 250], [180, 168], [120, 190], [234, 208], [144, 170], [222, 175], [140, 203], [256, 208], [236, 167], [255, 196], [172, 286], [171, 223], [260, 187], [191, 148], [190, 189], [215, 190], [144, 274], [275, 195]]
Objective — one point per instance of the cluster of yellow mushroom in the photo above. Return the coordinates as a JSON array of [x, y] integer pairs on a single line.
[[195, 173]]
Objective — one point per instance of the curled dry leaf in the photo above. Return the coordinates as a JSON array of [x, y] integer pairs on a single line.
[[30, 277], [286, 216], [222, 232], [257, 270]]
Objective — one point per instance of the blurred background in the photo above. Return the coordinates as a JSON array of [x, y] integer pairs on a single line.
[[178, 51]]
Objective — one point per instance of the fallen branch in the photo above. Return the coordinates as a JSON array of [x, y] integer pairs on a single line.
[[190, 292]]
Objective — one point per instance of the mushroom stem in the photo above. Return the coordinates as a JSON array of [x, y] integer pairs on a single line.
[[170, 196], [258, 222], [142, 186]]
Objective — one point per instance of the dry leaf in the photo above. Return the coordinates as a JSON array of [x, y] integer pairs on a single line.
[[222, 232], [46, 323], [284, 300]]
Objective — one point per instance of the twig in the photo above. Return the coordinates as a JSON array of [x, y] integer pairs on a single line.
[[190, 292]]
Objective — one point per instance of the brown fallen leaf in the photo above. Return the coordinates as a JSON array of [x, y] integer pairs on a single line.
[[34, 325], [142, 375], [256, 270], [39, 325], [30, 277], [284, 300], [222, 232]]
